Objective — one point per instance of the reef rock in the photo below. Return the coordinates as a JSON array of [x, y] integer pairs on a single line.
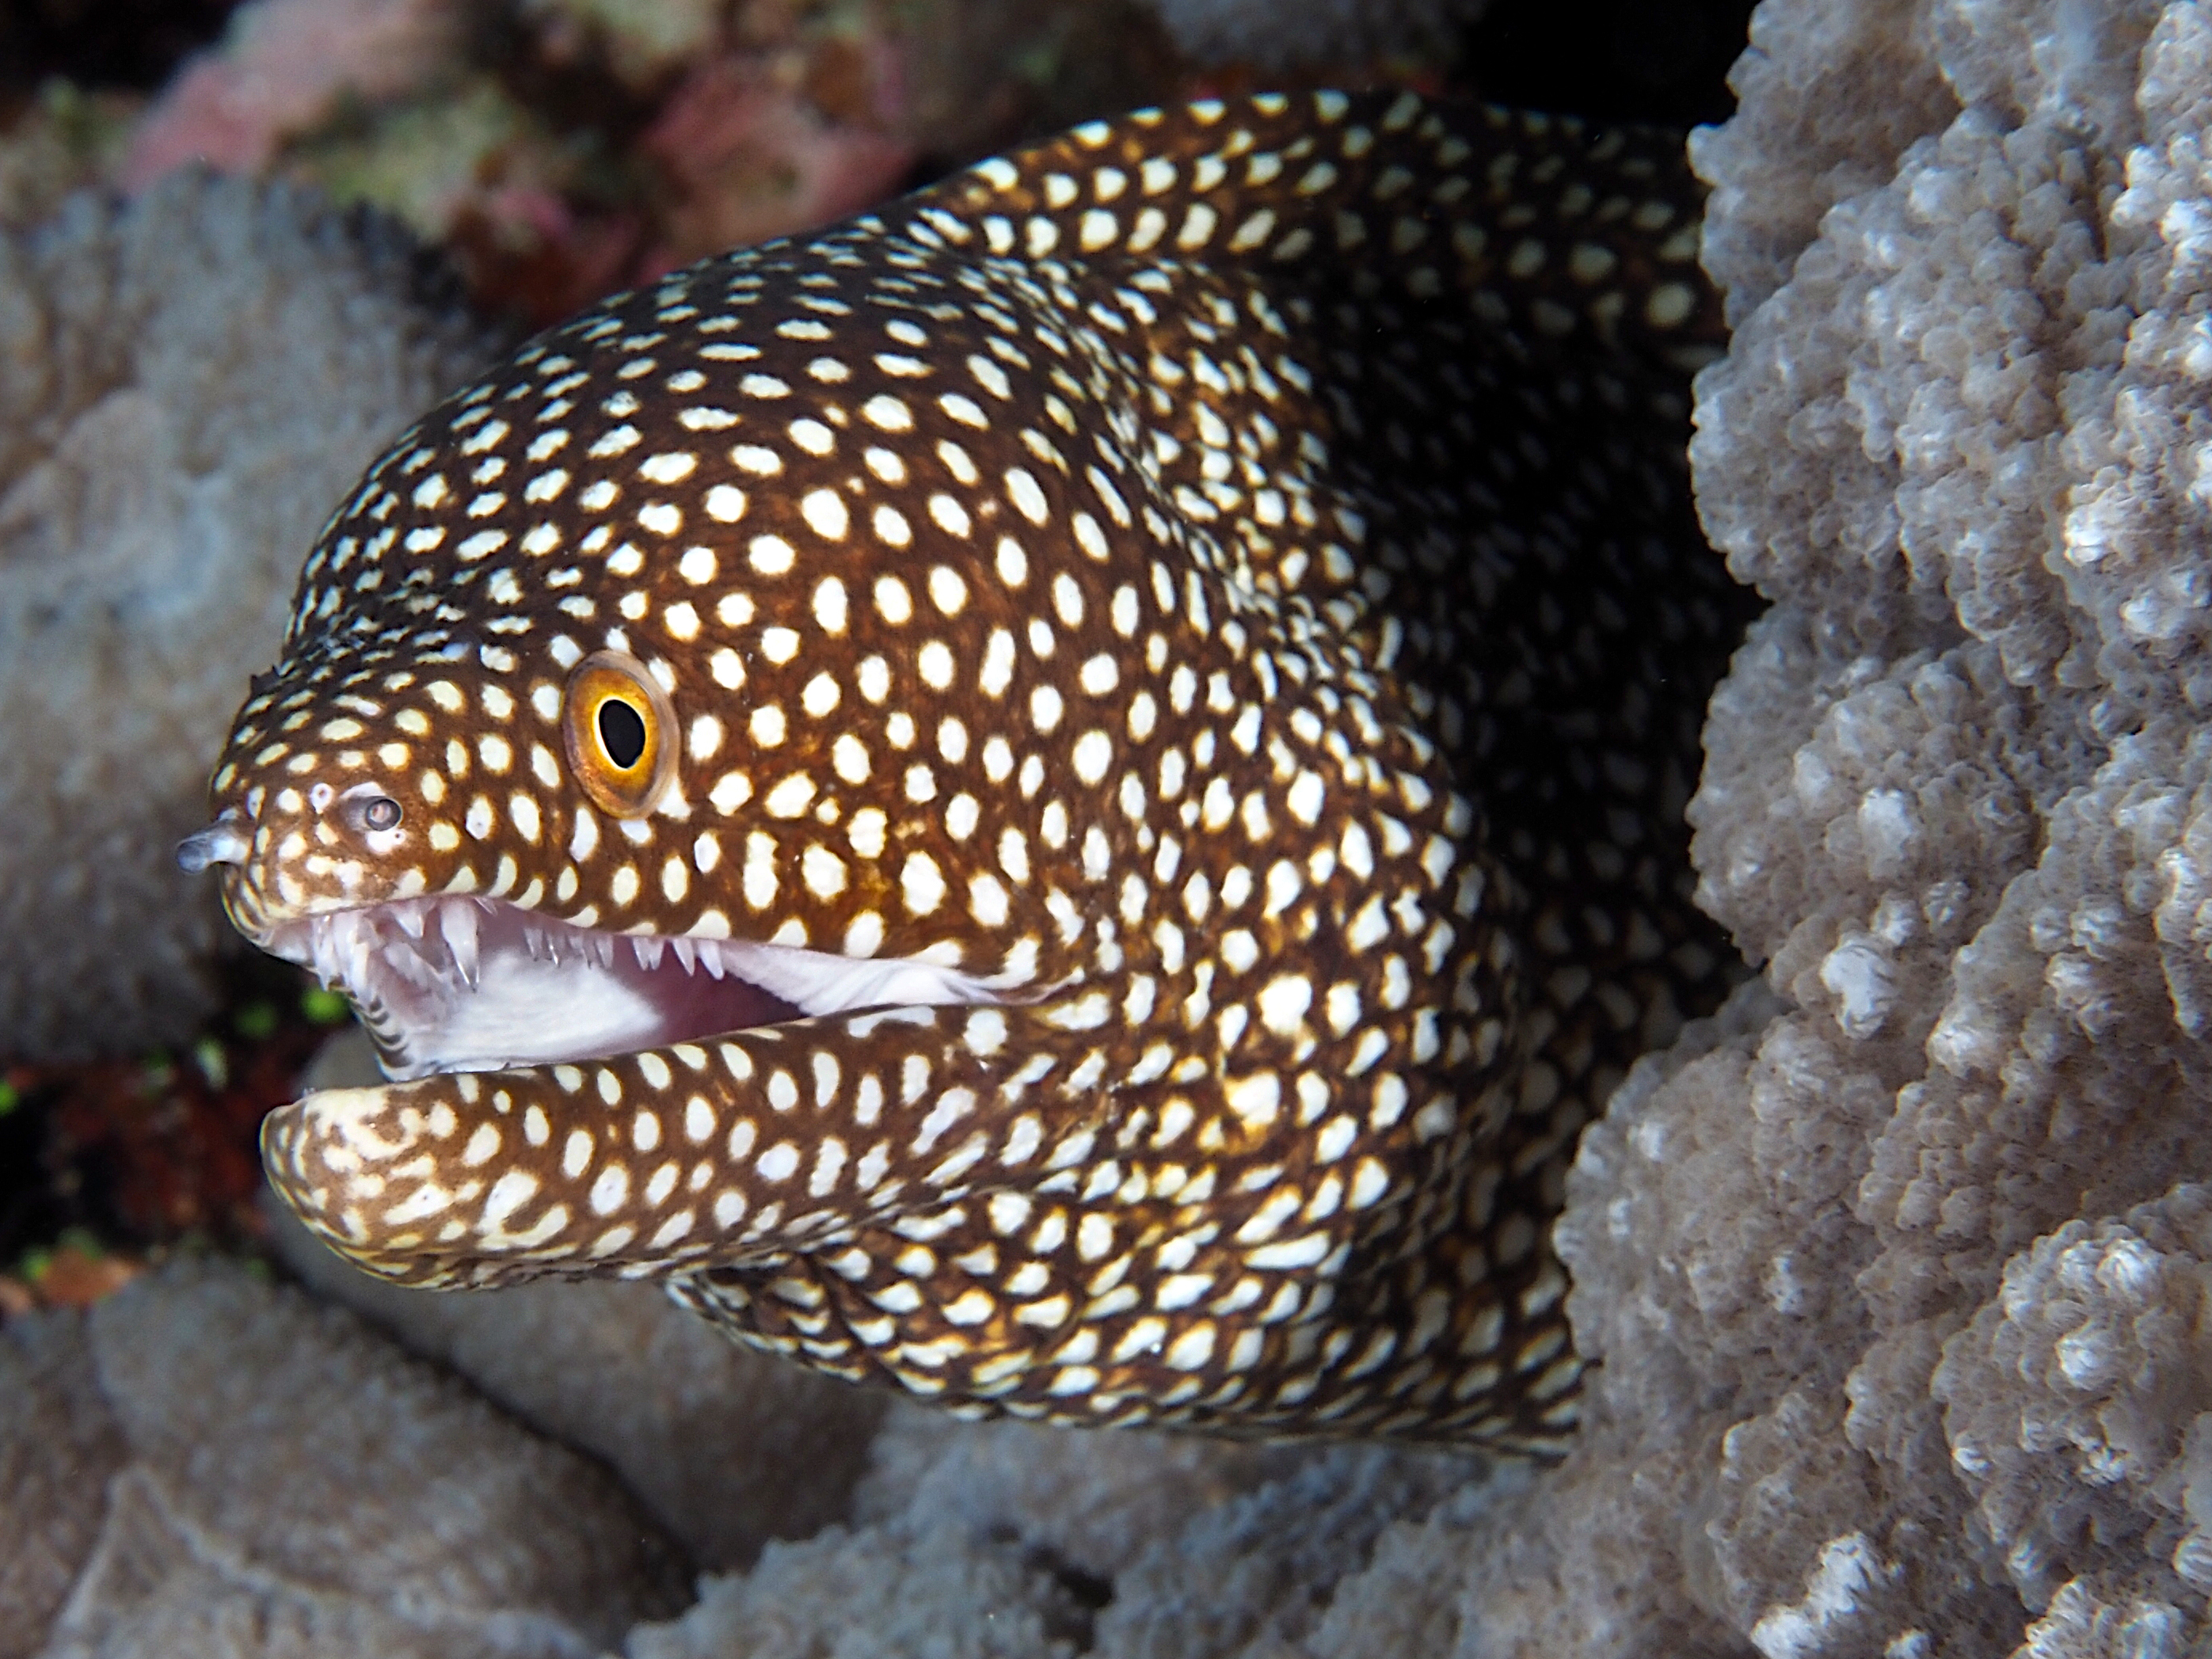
[[976, 1540], [204, 1467], [186, 385]]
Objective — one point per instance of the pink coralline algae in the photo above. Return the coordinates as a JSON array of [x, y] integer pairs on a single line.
[[750, 159], [705, 128], [285, 68]]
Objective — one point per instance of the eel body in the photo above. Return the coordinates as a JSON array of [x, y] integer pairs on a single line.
[[1064, 794]]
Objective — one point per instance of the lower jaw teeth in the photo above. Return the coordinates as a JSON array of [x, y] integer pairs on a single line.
[[409, 964], [457, 926]]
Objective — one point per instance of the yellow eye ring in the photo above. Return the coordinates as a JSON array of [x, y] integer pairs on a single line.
[[618, 729]]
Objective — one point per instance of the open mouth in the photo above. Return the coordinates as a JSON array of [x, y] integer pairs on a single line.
[[464, 984]]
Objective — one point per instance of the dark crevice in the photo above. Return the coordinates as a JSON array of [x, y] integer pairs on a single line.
[[133, 44], [1609, 60]]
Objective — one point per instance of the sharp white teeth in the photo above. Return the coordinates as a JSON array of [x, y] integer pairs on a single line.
[[648, 950], [409, 918], [710, 957], [684, 954], [458, 924], [359, 941], [339, 947], [408, 964]]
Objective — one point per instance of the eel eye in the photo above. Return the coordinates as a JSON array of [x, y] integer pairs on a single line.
[[618, 727], [380, 813]]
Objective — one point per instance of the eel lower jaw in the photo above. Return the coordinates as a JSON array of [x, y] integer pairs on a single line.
[[467, 984]]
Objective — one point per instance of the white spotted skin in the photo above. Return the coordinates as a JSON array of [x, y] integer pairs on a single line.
[[1222, 578]]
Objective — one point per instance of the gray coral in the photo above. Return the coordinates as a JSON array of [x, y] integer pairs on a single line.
[[973, 1541], [209, 1468], [187, 383], [2078, 1404]]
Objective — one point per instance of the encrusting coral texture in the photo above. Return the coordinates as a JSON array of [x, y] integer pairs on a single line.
[[725, 1448], [186, 385], [180, 1482]]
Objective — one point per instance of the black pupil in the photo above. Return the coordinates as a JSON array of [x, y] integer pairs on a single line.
[[622, 731], [382, 813]]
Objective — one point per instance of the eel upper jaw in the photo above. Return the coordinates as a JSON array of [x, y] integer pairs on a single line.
[[450, 984]]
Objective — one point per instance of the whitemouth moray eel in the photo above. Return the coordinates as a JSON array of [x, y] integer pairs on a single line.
[[1064, 795]]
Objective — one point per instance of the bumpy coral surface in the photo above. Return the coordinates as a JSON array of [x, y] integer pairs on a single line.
[[725, 1448], [205, 1468], [976, 1540], [186, 385]]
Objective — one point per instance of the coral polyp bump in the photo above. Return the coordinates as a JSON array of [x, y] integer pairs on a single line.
[[1064, 795]]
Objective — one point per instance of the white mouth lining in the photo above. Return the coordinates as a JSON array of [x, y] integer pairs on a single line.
[[465, 983]]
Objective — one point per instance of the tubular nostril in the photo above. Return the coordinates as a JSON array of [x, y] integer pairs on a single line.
[[221, 842]]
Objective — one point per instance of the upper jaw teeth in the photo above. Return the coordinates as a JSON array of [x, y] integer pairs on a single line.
[[412, 966], [440, 944]]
